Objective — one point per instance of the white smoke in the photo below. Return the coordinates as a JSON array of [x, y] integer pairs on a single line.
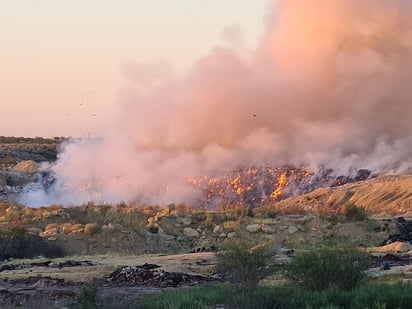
[[328, 84]]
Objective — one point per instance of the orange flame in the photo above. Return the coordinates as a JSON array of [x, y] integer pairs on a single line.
[[282, 182]]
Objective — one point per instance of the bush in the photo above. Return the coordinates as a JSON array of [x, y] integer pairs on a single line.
[[355, 213], [194, 298], [209, 296], [326, 267], [8, 160], [91, 228], [20, 245], [372, 296], [244, 264], [86, 299]]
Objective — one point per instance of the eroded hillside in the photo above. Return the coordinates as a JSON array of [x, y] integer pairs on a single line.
[[388, 195]]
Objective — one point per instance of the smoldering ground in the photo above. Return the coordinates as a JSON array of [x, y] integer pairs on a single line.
[[328, 84]]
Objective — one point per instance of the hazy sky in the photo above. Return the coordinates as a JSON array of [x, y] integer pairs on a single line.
[[61, 60]]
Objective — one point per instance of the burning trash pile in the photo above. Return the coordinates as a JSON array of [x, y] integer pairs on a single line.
[[150, 274], [251, 186], [256, 186]]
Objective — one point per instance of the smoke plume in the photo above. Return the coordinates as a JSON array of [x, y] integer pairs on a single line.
[[328, 84]]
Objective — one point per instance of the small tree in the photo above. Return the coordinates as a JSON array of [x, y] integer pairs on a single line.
[[245, 264], [322, 268]]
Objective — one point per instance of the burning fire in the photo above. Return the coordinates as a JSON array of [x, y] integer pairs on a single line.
[[251, 186], [282, 181], [258, 185]]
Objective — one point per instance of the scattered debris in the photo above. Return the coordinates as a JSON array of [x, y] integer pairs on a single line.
[[47, 264], [385, 262], [404, 232], [150, 274]]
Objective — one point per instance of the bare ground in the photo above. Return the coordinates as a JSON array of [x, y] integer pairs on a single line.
[[48, 287]]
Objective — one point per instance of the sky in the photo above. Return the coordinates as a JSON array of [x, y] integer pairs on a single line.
[[62, 61]]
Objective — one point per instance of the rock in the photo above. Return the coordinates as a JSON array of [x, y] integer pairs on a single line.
[[301, 228], [297, 218], [51, 226], [51, 232], [47, 214], [64, 215], [115, 226], [218, 229], [253, 228], [186, 221], [169, 226], [163, 235], [231, 235], [223, 235], [292, 229], [271, 221], [189, 232], [33, 231], [267, 229], [179, 220]]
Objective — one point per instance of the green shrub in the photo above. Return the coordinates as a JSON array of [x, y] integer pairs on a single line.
[[245, 264], [326, 267], [372, 296], [194, 298], [86, 299], [19, 245], [355, 213]]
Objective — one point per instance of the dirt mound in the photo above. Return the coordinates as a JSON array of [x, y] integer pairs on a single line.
[[395, 247], [388, 195], [28, 167]]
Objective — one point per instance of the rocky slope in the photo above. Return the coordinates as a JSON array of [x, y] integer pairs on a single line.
[[93, 229]]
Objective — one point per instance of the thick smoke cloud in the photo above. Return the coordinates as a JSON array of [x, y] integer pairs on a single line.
[[328, 84]]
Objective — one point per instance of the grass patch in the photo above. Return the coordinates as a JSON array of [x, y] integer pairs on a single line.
[[193, 298], [371, 295]]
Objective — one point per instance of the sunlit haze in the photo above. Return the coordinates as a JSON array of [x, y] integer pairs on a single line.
[[63, 61], [325, 85]]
